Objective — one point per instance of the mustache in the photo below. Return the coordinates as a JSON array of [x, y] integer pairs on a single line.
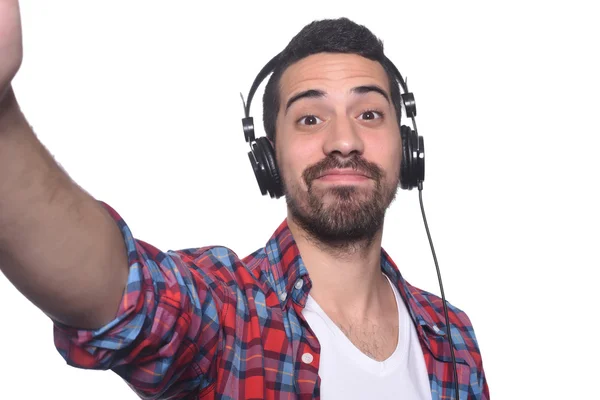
[[332, 161]]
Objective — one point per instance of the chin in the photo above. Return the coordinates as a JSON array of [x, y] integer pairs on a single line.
[[347, 194], [341, 216]]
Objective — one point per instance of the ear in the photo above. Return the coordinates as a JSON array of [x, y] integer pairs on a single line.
[[272, 142]]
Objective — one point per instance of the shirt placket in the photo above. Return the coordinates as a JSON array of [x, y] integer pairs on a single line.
[[306, 347]]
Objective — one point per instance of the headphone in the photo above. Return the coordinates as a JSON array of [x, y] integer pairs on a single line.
[[262, 154]]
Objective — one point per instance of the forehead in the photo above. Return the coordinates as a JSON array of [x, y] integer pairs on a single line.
[[331, 71]]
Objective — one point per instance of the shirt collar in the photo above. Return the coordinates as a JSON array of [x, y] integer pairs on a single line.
[[289, 278], [420, 311], [286, 268]]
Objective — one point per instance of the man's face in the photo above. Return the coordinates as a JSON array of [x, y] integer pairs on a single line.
[[338, 146]]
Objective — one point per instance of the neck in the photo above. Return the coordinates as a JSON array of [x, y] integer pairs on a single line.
[[345, 277]]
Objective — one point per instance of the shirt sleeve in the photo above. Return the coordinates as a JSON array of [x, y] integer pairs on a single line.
[[162, 341]]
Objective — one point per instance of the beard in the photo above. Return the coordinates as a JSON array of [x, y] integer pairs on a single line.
[[354, 214]]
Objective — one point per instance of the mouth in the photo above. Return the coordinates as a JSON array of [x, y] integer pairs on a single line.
[[343, 175]]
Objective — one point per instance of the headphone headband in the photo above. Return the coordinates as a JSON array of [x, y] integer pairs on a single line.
[[264, 72]]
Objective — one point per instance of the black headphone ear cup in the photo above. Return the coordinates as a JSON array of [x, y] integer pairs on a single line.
[[412, 167], [265, 156], [420, 161], [258, 168], [406, 163]]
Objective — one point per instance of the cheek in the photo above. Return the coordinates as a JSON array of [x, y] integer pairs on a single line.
[[293, 157], [396, 151], [388, 154], [397, 161], [397, 157]]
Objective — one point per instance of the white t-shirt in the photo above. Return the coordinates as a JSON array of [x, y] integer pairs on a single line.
[[347, 373]]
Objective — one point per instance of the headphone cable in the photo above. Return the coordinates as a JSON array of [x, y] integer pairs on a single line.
[[448, 330]]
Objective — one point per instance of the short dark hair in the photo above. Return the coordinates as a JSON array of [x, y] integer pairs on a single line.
[[326, 36]]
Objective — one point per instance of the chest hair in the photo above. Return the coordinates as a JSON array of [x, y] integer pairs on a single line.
[[376, 339]]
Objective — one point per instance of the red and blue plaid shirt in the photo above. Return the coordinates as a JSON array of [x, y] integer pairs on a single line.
[[202, 324]]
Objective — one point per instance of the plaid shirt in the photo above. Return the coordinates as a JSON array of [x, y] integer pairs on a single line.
[[202, 324]]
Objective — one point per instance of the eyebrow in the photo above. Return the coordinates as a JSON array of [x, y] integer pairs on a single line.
[[369, 89], [311, 93], [314, 93]]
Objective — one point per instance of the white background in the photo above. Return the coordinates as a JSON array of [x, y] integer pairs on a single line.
[[139, 101]]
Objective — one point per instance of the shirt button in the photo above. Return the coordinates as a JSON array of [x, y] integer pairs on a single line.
[[307, 358], [283, 296], [299, 284]]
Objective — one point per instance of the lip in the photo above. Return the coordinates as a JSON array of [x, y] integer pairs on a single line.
[[343, 175]]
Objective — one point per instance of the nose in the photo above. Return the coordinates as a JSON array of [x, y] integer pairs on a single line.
[[343, 137]]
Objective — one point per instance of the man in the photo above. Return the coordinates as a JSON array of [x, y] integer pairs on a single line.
[[320, 311]]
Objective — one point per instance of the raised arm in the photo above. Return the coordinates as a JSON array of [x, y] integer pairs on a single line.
[[58, 245]]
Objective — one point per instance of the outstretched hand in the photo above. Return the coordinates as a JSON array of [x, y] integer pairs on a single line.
[[11, 43]]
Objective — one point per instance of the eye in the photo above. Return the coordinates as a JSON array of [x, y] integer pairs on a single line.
[[370, 115], [309, 120]]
